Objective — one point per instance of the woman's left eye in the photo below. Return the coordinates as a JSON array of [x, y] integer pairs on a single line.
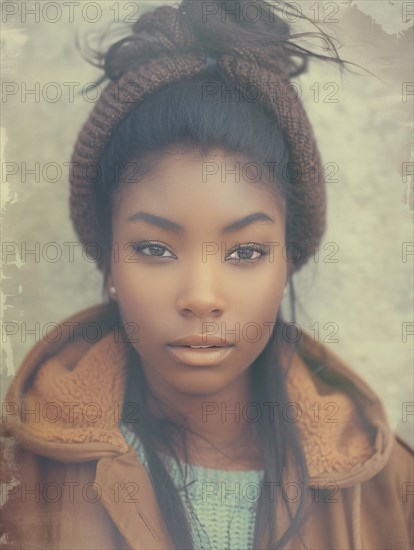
[[249, 253]]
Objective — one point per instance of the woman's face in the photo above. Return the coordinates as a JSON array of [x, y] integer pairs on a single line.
[[199, 274]]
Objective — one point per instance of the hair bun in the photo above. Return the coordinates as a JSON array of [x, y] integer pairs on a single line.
[[253, 31], [218, 27], [167, 26], [156, 33]]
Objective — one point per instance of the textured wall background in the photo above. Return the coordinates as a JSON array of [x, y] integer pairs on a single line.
[[366, 133]]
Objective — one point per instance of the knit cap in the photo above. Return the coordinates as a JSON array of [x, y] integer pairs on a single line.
[[172, 43]]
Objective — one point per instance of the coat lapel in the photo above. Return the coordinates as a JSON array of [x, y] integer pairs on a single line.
[[128, 496]]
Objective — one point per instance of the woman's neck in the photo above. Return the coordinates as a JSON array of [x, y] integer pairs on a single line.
[[219, 434]]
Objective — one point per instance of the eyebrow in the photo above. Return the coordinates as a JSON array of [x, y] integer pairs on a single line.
[[169, 225]]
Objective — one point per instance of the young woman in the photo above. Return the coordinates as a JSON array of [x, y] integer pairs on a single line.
[[183, 412]]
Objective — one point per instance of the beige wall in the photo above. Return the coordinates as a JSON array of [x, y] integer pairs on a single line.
[[367, 293]]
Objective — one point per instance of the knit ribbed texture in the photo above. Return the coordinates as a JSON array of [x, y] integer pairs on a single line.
[[166, 49], [223, 501]]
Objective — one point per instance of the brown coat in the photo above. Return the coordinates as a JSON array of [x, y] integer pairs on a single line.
[[75, 483]]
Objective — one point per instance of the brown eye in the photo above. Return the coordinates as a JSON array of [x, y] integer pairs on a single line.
[[156, 250], [249, 253]]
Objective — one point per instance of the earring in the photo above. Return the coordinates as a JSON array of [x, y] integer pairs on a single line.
[[112, 290]]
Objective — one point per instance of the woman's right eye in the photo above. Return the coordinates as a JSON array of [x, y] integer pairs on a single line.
[[156, 249]]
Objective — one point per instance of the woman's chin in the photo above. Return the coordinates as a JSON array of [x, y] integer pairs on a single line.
[[201, 385]]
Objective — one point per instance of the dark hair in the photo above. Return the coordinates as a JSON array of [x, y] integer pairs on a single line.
[[175, 119]]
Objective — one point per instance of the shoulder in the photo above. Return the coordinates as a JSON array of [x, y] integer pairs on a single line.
[[36, 489], [397, 474], [25, 467], [388, 498], [400, 466], [391, 490]]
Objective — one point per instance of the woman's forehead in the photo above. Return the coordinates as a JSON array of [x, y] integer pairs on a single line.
[[215, 180]]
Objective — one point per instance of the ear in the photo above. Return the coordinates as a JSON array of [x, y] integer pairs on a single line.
[[109, 285], [109, 282]]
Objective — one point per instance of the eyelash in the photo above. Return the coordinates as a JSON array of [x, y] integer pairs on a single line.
[[263, 250]]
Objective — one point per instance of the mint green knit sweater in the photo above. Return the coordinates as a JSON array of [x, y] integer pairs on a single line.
[[223, 502]]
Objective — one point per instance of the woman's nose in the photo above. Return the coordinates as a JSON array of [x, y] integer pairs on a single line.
[[201, 291]]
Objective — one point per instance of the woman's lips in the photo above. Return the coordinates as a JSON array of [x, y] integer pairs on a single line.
[[200, 356]]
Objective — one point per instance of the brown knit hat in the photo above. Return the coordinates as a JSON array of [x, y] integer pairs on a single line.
[[169, 45]]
